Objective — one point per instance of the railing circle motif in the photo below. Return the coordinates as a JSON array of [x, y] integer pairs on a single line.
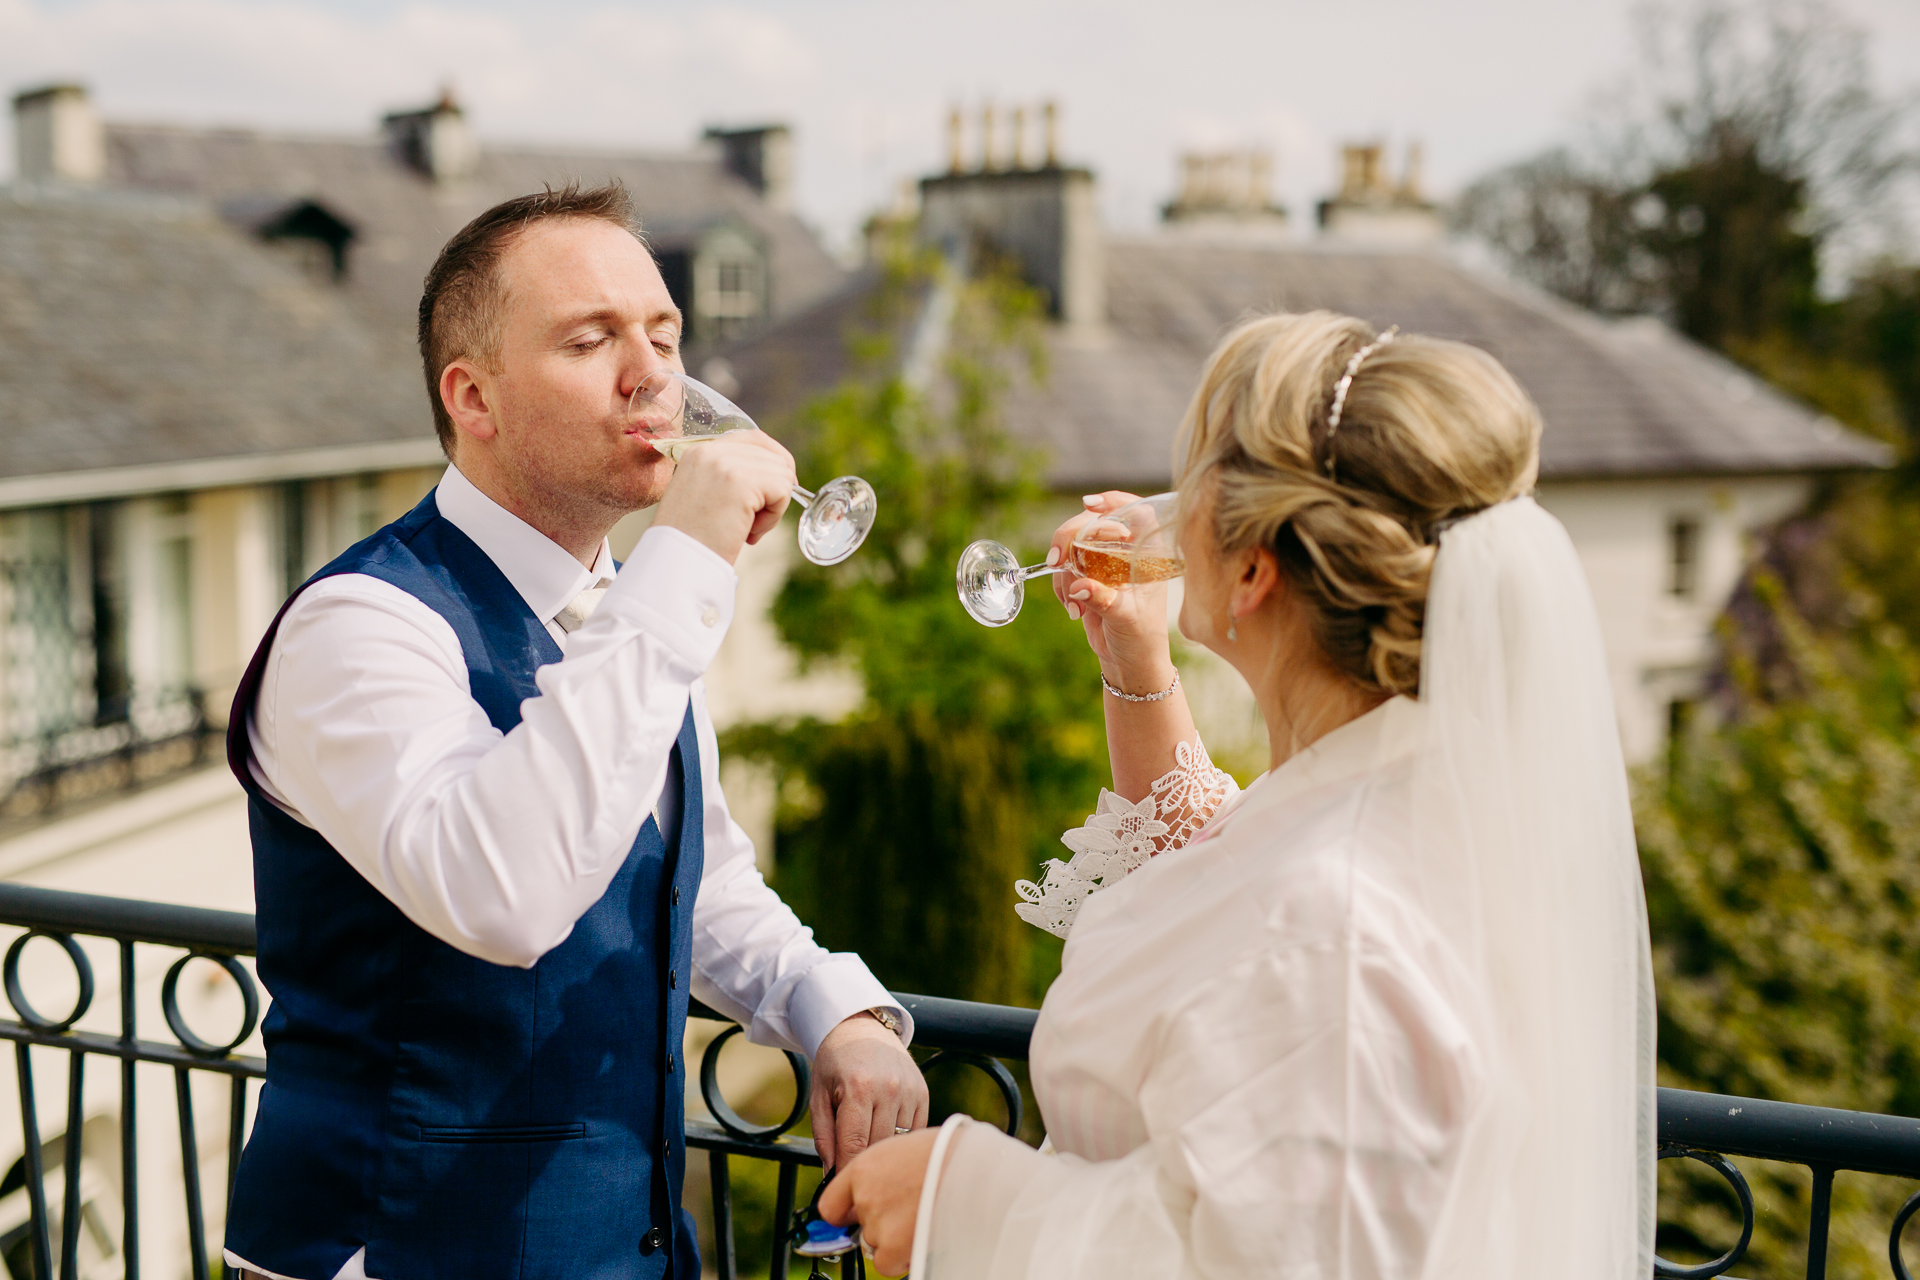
[[17, 996], [732, 1121], [996, 1070], [1719, 1164], [1907, 1210], [176, 1021]]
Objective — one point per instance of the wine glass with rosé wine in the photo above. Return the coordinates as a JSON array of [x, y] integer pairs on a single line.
[[678, 412], [1127, 546]]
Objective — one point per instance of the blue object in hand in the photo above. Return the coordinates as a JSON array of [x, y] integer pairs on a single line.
[[824, 1240]]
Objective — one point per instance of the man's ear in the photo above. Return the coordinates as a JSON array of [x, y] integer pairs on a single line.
[[1257, 577], [466, 392]]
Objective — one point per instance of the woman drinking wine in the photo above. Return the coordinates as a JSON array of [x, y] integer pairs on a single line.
[[1388, 1012]]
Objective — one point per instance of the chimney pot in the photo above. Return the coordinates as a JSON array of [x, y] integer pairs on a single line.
[[1019, 137], [57, 136], [986, 138], [954, 162], [1410, 185], [1050, 115]]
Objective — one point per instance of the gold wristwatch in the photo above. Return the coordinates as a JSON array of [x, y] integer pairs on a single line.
[[888, 1019]]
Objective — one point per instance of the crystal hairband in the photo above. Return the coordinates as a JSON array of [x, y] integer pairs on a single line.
[[1346, 381]]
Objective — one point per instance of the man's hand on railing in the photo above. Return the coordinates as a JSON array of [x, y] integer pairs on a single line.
[[865, 1088]]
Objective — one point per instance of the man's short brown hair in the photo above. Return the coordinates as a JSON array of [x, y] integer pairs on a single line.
[[461, 303]]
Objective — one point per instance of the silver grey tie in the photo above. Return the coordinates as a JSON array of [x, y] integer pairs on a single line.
[[581, 607]]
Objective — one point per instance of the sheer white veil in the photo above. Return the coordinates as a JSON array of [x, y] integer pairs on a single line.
[[1525, 863]]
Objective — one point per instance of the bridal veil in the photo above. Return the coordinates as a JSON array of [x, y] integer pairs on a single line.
[[1525, 864]]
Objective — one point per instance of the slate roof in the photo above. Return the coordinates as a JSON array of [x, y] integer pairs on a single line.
[[137, 331], [1620, 399], [402, 217]]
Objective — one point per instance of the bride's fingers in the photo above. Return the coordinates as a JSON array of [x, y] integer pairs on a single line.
[[1097, 505], [1084, 595], [1062, 547]]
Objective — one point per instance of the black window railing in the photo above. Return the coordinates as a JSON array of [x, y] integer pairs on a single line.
[[1705, 1127], [64, 764]]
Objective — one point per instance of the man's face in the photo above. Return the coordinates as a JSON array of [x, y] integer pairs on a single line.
[[584, 317]]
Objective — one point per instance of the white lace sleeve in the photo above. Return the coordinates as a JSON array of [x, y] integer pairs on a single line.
[[1120, 835]]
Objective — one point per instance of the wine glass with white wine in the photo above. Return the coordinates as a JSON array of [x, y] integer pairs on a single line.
[[679, 412], [1127, 546]]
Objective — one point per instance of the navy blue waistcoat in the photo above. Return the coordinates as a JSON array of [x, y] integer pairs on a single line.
[[463, 1119]]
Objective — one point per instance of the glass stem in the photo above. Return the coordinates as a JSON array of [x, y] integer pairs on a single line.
[[802, 496], [1040, 571]]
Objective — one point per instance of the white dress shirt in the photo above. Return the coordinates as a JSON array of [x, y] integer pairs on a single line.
[[1245, 1066], [365, 730]]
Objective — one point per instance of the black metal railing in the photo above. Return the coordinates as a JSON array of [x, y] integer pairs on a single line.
[[947, 1032], [1699, 1126], [69, 763]]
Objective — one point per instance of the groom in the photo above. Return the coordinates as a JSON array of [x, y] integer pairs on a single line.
[[491, 856]]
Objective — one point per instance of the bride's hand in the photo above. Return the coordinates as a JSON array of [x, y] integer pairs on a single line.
[[1127, 629]]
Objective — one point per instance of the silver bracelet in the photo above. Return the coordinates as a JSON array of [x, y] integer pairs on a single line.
[[1141, 697]]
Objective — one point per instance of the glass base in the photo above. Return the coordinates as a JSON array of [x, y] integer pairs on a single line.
[[837, 521], [990, 583]]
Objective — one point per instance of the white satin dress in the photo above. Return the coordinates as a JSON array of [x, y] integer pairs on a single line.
[[1246, 1068]]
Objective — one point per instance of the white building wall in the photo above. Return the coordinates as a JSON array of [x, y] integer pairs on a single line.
[[1659, 643]]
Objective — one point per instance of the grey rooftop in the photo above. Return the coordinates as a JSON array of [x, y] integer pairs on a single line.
[[1620, 398], [402, 216], [139, 333]]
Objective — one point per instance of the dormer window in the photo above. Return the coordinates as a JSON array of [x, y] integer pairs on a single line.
[[729, 284], [310, 233]]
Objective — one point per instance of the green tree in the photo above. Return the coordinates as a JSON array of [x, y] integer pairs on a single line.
[[1729, 233], [902, 827], [1781, 850]]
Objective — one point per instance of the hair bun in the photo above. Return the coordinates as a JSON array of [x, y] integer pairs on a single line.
[[1429, 431]]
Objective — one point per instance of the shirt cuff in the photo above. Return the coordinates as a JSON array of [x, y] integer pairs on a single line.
[[677, 589], [834, 990]]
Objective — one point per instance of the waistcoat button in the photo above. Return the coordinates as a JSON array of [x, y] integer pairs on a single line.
[[653, 1239], [673, 980], [676, 895], [669, 1064]]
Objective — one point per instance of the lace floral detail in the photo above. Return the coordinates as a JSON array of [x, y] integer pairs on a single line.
[[1120, 835], [1190, 793]]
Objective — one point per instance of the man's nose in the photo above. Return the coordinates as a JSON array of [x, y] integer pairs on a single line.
[[637, 369]]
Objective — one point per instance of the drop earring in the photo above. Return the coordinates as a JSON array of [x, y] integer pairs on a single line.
[[1233, 632]]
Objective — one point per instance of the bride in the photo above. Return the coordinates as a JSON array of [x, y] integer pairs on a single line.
[[1387, 1012]]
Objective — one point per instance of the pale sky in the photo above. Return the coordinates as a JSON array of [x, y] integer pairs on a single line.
[[867, 83]]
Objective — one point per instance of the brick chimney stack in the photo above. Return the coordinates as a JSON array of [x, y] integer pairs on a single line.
[[57, 136], [1226, 192], [434, 141], [1372, 209], [761, 157], [1043, 218]]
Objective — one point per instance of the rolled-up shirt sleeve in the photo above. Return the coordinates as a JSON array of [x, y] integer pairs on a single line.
[[365, 729]]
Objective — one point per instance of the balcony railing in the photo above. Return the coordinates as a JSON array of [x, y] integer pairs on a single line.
[[1699, 1126], [163, 734]]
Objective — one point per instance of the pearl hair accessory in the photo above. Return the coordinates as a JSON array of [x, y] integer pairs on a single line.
[[1346, 381]]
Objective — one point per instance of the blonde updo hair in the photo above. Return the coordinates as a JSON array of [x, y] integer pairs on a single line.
[[1431, 431]]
